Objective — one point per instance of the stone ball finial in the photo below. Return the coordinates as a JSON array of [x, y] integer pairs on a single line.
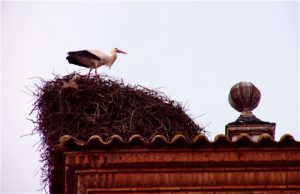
[[244, 97]]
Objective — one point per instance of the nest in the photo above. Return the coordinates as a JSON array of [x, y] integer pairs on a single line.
[[81, 107]]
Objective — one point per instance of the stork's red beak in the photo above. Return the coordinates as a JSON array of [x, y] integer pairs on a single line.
[[119, 51]]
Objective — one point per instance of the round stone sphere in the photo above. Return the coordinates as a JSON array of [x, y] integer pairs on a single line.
[[244, 97]]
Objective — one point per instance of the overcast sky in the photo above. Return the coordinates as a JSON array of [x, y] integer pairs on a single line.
[[193, 51]]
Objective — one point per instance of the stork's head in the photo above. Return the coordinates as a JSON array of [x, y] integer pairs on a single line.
[[119, 51]]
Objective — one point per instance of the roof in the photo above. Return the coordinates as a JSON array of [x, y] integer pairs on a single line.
[[178, 141]]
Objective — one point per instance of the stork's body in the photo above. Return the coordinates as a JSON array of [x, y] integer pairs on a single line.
[[93, 58]]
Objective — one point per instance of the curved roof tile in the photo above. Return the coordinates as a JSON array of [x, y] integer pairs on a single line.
[[179, 140]]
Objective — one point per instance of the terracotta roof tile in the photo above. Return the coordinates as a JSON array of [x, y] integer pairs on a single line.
[[179, 141]]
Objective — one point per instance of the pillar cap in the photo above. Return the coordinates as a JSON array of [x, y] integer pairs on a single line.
[[244, 97]]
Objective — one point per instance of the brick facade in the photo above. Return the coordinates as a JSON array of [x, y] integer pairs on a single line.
[[177, 166]]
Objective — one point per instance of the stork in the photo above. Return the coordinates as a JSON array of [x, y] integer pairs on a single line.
[[93, 58]]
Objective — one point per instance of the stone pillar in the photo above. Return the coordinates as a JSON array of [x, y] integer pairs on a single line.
[[244, 97]]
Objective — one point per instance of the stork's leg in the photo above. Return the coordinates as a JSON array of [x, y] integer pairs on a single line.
[[89, 72], [96, 72]]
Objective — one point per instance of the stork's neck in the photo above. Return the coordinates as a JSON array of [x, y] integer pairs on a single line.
[[112, 58]]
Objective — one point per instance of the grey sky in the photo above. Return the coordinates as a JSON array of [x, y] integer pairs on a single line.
[[192, 51]]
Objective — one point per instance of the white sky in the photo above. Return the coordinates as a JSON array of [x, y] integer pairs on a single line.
[[194, 51]]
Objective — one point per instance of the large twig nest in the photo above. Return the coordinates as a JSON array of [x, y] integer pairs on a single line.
[[80, 106]]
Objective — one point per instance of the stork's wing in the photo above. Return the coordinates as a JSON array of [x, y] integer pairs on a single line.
[[99, 54], [84, 53], [76, 61]]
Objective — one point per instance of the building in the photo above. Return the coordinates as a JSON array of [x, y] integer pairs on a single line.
[[246, 160]]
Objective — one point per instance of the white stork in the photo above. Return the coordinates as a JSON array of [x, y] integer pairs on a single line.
[[93, 58]]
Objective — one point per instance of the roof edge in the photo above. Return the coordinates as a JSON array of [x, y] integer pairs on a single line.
[[68, 142]]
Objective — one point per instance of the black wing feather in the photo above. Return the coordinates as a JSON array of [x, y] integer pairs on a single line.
[[75, 61], [83, 53]]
